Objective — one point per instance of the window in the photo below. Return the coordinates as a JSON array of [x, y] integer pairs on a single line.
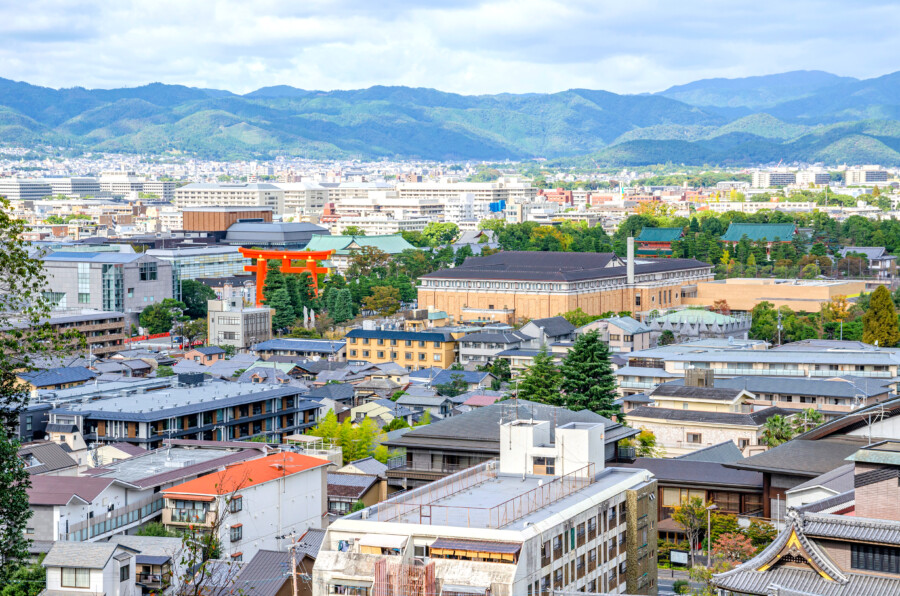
[[545, 466], [84, 298], [870, 557], [28, 423], [437, 357], [236, 533], [147, 271], [408, 355], [637, 300], [421, 356], [73, 577], [694, 438], [124, 573], [236, 504], [380, 354], [743, 443]]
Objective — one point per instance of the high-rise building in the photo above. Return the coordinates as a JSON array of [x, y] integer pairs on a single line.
[[772, 178], [865, 175], [230, 195]]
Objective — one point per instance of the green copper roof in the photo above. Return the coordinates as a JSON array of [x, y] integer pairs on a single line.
[[756, 232], [659, 234], [392, 244]]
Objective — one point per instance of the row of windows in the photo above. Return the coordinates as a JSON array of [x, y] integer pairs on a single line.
[[407, 342], [394, 355]]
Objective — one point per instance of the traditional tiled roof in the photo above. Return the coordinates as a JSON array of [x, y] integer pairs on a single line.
[[554, 326], [58, 376], [724, 452], [660, 234], [82, 555], [342, 245], [732, 418], [699, 473], [756, 232], [349, 485], [45, 456]]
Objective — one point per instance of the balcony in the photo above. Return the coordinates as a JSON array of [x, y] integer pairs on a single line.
[[183, 517], [115, 521], [152, 580]]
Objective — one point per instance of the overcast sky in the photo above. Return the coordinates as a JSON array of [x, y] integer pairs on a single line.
[[465, 46]]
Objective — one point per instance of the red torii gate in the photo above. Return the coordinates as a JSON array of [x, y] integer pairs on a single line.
[[310, 258]]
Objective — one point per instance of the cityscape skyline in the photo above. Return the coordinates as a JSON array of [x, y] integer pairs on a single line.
[[464, 47]]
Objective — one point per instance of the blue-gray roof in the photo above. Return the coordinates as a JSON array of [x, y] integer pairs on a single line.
[[301, 345], [335, 391], [58, 376], [450, 375], [94, 257], [629, 325], [210, 350], [723, 453], [425, 373], [400, 335]]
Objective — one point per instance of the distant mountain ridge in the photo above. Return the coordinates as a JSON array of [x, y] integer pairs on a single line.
[[808, 116]]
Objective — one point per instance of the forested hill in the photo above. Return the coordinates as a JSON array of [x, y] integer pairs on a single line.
[[820, 118]]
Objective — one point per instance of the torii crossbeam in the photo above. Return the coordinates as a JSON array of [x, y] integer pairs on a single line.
[[309, 258]]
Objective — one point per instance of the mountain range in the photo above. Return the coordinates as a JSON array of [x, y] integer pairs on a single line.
[[808, 116]]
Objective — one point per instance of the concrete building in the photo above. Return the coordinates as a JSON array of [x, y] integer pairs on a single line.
[[622, 334], [207, 411], [509, 286], [865, 175], [547, 516], [200, 263], [219, 219], [199, 194], [304, 199], [24, 189], [230, 323], [113, 282], [379, 225], [104, 331], [80, 187], [772, 178], [411, 349], [743, 293], [276, 235], [813, 177], [695, 323], [506, 190], [254, 504]]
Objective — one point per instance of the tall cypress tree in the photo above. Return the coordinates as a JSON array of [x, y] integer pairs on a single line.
[[880, 320], [540, 381], [342, 306], [588, 381], [277, 296]]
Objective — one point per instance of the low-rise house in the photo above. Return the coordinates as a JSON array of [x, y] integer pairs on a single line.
[[302, 348], [473, 379], [375, 389], [547, 331], [269, 375], [483, 347], [882, 265], [825, 486], [205, 355], [90, 569], [158, 564], [56, 378], [251, 505], [383, 411], [48, 459], [438, 405], [61, 503], [623, 334], [345, 490]]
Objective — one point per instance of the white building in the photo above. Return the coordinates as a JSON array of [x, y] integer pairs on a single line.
[[304, 199], [772, 178], [547, 516], [253, 504], [230, 323], [464, 211], [813, 177], [91, 569], [24, 189], [75, 186], [380, 225], [864, 175], [504, 189], [230, 195]]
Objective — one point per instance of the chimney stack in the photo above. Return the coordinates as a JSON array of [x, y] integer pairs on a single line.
[[629, 264]]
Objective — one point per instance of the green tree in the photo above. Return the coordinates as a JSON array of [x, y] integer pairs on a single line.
[[195, 295], [806, 420], [14, 511], [666, 338], [880, 320], [161, 317], [541, 381], [155, 529], [579, 318], [437, 234], [276, 295], [761, 533], [395, 424], [194, 331], [342, 309], [25, 580], [647, 445], [588, 382], [776, 430], [691, 514], [455, 386], [354, 231], [462, 253], [165, 371], [500, 369], [385, 300]]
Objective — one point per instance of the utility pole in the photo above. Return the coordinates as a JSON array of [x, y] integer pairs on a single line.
[[780, 327], [294, 566]]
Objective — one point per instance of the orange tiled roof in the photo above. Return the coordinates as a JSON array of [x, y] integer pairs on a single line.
[[247, 474]]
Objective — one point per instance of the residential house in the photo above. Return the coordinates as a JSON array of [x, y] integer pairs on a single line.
[[56, 378], [157, 562], [90, 569], [205, 355], [882, 265], [382, 411], [622, 334], [547, 331], [438, 406], [473, 379], [301, 348], [252, 504], [268, 573], [48, 459], [345, 490], [484, 347], [61, 503]]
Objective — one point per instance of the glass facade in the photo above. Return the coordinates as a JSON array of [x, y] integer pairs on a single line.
[[84, 283], [113, 288]]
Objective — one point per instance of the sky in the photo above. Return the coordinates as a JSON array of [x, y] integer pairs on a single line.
[[463, 46]]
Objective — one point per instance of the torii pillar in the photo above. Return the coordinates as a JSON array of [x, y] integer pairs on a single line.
[[310, 265]]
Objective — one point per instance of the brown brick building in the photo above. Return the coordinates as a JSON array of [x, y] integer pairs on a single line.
[[511, 286]]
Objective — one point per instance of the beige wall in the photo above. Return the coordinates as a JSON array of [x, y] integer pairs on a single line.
[[672, 435], [745, 293]]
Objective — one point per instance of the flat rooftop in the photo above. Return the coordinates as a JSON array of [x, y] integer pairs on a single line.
[[483, 498], [160, 461]]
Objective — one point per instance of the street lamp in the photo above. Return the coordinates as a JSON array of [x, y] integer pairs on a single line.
[[709, 511]]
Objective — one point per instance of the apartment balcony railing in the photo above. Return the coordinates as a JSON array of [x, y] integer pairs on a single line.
[[200, 517], [113, 521]]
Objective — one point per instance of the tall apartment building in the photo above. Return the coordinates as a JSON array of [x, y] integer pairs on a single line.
[[463, 210], [75, 186], [380, 202], [547, 517], [380, 225], [304, 199], [484, 192], [412, 349], [108, 281], [865, 175], [816, 177], [126, 183], [24, 189], [103, 331], [772, 178], [164, 189], [200, 194]]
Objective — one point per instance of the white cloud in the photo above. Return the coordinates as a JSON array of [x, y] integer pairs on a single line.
[[462, 46]]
